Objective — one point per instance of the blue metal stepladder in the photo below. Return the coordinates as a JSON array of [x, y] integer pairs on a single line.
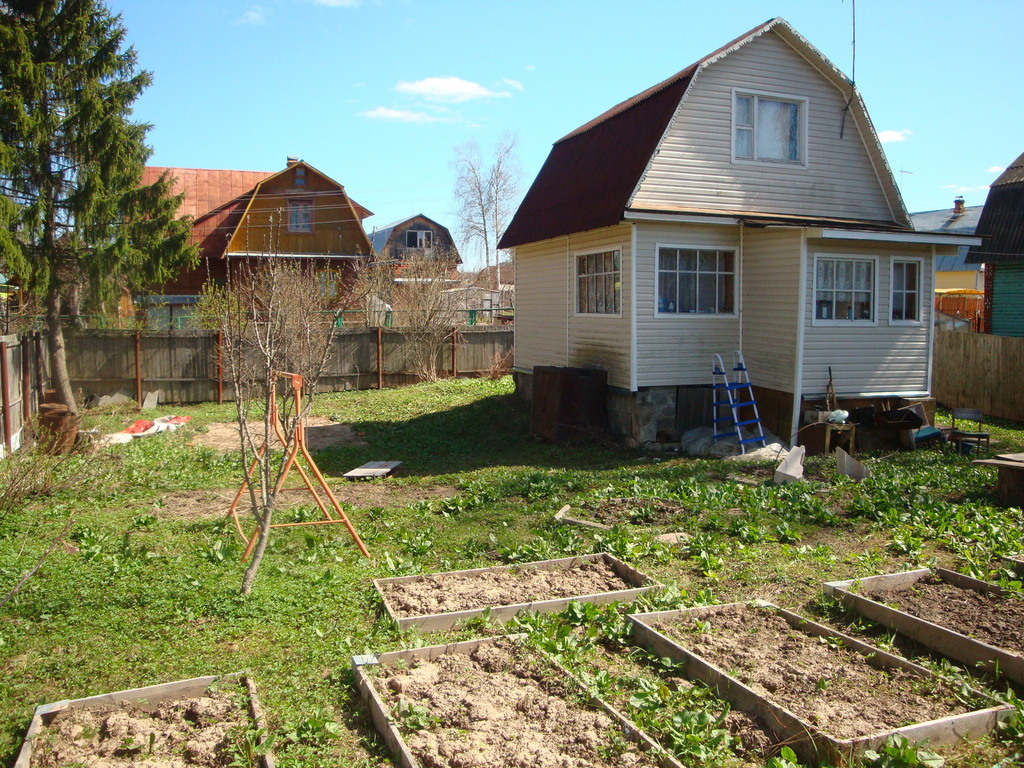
[[729, 396]]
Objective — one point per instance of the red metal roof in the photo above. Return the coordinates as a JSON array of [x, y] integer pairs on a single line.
[[205, 188]]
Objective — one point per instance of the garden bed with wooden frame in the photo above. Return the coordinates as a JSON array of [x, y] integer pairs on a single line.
[[497, 702], [865, 596], [140, 704], [841, 714], [460, 588]]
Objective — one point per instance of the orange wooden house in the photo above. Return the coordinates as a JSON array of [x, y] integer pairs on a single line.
[[243, 216]]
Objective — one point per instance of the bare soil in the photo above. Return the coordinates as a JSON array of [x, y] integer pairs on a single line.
[[449, 592], [189, 505], [320, 433], [188, 732], [631, 511], [989, 618], [500, 707], [832, 688]]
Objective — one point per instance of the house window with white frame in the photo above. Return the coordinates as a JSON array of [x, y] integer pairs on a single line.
[[418, 238], [768, 129], [844, 289], [300, 215], [599, 283], [696, 281], [906, 290]]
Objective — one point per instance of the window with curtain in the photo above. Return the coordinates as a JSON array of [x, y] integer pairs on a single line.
[[692, 281], [767, 128], [844, 289], [300, 215]]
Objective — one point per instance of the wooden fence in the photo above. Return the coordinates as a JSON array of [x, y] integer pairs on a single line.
[[185, 367], [978, 370]]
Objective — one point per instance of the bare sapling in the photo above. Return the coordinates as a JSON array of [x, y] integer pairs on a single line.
[[276, 317]]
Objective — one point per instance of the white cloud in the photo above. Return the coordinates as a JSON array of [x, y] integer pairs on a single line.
[[337, 3], [995, 169], [889, 136], [400, 115], [514, 83], [450, 90], [256, 16]]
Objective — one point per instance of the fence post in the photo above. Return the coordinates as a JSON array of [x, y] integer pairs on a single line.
[[26, 381], [455, 353], [40, 365], [138, 367], [220, 367], [380, 357], [5, 373]]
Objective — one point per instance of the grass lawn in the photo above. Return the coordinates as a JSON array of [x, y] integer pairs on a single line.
[[150, 590]]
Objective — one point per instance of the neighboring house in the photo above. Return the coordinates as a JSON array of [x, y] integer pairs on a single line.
[[745, 204], [1001, 228], [415, 236], [959, 286], [240, 217], [953, 273]]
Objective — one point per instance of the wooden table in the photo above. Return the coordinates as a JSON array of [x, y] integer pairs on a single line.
[[831, 429], [1011, 478]]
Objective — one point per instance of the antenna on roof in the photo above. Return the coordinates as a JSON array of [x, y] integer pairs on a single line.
[[853, 70]]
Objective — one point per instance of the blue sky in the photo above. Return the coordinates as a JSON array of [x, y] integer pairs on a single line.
[[378, 93]]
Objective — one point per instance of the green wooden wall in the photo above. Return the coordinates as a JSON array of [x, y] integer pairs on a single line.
[[1008, 299]]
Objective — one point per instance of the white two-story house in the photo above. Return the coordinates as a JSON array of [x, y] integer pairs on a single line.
[[742, 204]]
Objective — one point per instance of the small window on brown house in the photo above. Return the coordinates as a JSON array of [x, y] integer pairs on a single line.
[[300, 215]]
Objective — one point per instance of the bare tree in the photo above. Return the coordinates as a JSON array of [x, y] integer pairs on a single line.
[[277, 316], [426, 294], [486, 194]]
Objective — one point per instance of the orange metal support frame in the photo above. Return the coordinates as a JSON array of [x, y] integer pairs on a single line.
[[294, 447]]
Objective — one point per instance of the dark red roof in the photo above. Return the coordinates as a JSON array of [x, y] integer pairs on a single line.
[[591, 172]]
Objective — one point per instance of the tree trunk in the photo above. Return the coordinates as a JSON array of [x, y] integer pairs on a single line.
[[257, 555], [58, 360]]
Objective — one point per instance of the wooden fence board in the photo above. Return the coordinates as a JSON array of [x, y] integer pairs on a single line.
[[978, 370]]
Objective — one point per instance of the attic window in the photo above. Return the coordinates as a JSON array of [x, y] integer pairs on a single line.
[[300, 177], [300, 215], [418, 238], [768, 128]]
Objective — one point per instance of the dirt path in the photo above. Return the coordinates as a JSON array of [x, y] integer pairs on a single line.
[[320, 433], [191, 505]]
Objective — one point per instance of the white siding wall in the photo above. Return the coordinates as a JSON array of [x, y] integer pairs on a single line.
[[548, 330], [694, 169], [677, 349], [886, 358], [771, 286]]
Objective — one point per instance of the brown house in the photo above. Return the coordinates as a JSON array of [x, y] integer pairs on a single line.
[[414, 236], [243, 216]]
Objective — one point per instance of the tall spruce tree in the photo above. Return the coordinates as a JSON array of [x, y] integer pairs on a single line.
[[72, 209]]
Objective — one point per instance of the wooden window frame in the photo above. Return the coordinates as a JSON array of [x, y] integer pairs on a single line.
[[296, 224], [919, 289], [660, 313], [802, 104], [815, 289]]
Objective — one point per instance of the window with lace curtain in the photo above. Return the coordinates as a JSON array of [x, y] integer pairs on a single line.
[[768, 128]]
